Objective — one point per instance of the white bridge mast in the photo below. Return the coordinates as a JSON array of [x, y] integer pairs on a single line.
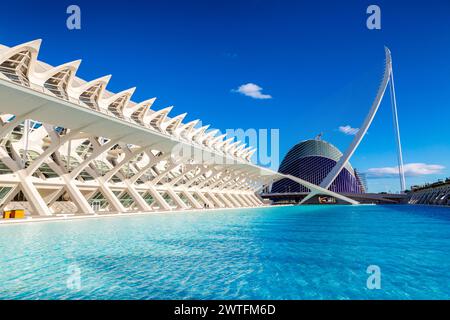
[[401, 171], [388, 78]]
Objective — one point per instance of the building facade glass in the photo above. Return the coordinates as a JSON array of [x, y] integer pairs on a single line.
[[312, 160]]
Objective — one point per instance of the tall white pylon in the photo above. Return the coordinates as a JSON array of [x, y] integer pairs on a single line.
[[388, 79], [401, 170]]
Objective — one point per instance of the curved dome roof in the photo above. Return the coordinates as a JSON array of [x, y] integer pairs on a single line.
[[312, 161], [313, 147]]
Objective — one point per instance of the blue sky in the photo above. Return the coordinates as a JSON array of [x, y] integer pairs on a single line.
[[317, 60]]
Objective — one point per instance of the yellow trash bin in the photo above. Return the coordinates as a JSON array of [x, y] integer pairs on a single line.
[[7, 214], [14, 214], [18, 214]]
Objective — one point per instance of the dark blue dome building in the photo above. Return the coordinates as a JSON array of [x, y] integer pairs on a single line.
[[312, 160]]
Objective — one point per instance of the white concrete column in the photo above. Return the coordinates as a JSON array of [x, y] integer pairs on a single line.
[[97, 152], [193, 201], [194, 178], [11, 194], [32, 194], [214, 174], [232, 199], [51, 198], [76, 195], [204, 199], [242, 199], [214, 198], [227, 202], [174, 181], [177, 199], [139, 200], [157, 197], [165, 173], [256, 199], [153, 161]]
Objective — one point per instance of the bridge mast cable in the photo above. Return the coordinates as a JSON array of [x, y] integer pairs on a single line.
[[401, 171]]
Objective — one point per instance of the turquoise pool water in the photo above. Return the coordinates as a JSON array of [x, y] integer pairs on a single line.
[[311, 252]]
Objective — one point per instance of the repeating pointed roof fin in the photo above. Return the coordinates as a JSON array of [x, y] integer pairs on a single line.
[[17, 63], [141, 110], [156, 118]]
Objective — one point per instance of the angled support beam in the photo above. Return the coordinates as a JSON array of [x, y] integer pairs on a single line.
[[204, 199], [216, 200], [51, 199], [54, 146], [213, 175], [97, 153], [32, 194], [76, 195], [177, 199], [227, 202], [253, 199], [232, 199], [129, 155], [243, 200], [158, 198], [247, 198], [165, 173], [191, 199], [152, 162], [141, 203], [257, 199], [189, 168], [11, 194], [194, 178], [8, 127]]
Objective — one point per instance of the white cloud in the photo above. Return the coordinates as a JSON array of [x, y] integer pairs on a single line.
[[252, 90], [348, 130], [230, 55], [411, 169]]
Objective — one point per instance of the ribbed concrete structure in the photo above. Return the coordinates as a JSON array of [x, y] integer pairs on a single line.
[[70, 146], [434, 194]]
